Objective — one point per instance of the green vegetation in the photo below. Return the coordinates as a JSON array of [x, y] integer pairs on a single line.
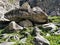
[[55, 19], [54, 40]]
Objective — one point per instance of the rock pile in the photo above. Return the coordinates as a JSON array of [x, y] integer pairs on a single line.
[[17, 18]]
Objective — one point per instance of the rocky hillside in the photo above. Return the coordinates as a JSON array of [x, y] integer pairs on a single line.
[[24, 22], [51, 7]]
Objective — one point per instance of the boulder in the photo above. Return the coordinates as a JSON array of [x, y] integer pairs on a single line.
[[25, 23], [20, 14], [50, 26], [13, 26]]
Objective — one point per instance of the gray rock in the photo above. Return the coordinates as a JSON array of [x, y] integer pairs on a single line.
[[27, 33], [23, 40], [2, 10], [4, 4], [50, 26], [57, 24], [25, 23], [16, 37], [7, 43], [26, 6], [8, 37], [13, 26], [2, 17], [53, 13], [36, 30], [47, 34], [40, 40], [4, 35], [57, 32], [8, 4], [38, 10]]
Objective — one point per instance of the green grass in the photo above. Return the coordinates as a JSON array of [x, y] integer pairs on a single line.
[[55, 19], [54, 40]]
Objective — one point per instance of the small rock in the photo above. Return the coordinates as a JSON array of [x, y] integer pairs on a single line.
[[7, 43], [23, 40], [4, 19], [47, 34], [13, 26], [40, 39], [26, 23], [37, 9], [5, 35], [16, 37], [27, 33], [2, 12], [57, 32], [50, 26], [26, 6], [57, 24], [36, 30]]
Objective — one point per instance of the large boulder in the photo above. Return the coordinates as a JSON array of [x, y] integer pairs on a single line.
[[21, 13]]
